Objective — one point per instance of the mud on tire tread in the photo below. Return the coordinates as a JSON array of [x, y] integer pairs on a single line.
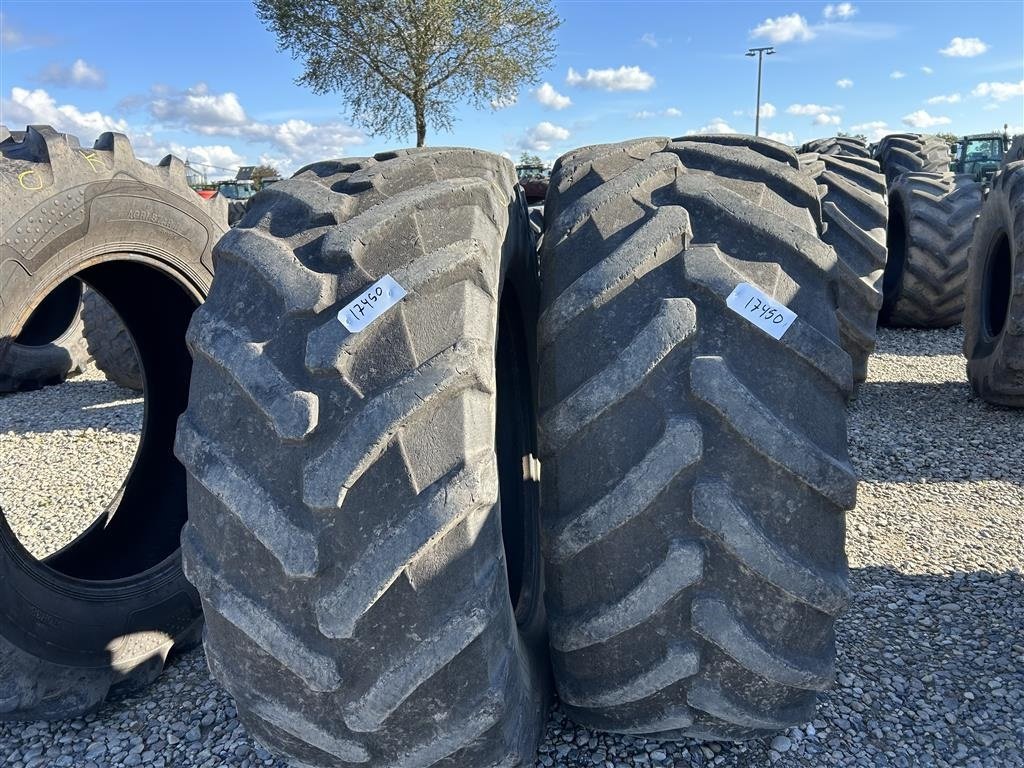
[[343, 531], [995, 355], [931, 217], [901, 153], [695, 469], [109, 342], [855, 210]]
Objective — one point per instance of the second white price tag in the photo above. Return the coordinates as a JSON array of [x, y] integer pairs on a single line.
[[767, 314]]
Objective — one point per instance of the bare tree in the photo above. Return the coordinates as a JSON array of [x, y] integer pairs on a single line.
[[406, 63]]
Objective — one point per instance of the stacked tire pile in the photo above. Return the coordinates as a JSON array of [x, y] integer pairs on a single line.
[[441, 457]]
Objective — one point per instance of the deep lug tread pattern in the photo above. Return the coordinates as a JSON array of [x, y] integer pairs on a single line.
[[855, 210], [382, 632], [705, 442], [843, 146], [901, 153], [937, 212], [109, 343], [995, 359]]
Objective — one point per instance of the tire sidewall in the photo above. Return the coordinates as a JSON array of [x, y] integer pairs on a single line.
[[70, 621], [994, 223]]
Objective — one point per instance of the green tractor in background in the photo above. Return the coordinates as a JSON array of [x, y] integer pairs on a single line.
[[980, 155]]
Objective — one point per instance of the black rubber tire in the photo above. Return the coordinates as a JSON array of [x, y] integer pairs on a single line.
[[236, 210], [994, 315], [855, 209], [846, 146], [109, 342], [931, 216], [901, 153], [344, 530], [695, 469], [102, 614], [51, 347]]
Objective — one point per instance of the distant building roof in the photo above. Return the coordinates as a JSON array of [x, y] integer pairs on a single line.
[[245, 173]]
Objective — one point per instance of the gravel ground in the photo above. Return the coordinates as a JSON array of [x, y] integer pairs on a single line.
[[931, 653]]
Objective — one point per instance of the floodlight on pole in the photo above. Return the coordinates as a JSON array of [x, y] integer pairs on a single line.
[[767, 50]]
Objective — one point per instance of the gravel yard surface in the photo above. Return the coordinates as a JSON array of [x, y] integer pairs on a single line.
[[931, 652]]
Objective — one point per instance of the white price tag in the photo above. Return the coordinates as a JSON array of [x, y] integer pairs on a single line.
[[371, 304], [767, 314]]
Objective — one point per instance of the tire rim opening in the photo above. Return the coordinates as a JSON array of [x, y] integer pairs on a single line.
[[54, 316], [896, 242], [995, 287], [516, 442], [123, 511]]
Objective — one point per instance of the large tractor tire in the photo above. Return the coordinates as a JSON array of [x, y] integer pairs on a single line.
[[51, 346], [364, 526], [695, 468], [854, 208], [845, 146], [102, 613], [931, 216], [994, 315], [901, 153], [109, 342]]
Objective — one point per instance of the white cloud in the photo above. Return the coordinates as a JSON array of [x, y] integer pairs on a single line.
[[991, 106], [504, 102], [928, 70], [216, 160], [784, 138], [718, 125], [897, 75], [784, 29], [646, 114], [738, 113], [824, 119], [648, 38], [221, 114], [839, 11], [80, 73], [964, 47], [621, 79], [542, 136], [845, 83], [874, 130], [13, 39], [949, 98], [921, 119], [810, 109], [549, 97], [198, 109], [767, 110], [27, 107], [999, 91]]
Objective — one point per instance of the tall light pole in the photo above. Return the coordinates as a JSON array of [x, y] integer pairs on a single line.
[[761, 53]]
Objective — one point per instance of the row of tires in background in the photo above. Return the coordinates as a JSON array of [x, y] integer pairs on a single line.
[[363, 509]]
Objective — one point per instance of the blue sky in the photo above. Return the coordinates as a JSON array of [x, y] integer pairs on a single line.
[[206, 81]]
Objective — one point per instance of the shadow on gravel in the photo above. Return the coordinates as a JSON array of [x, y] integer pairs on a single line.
[[73, 405], [907, 432], [921, 342], [930, 668]]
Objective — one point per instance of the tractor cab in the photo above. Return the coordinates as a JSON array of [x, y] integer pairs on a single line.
[[980, 155], [236, 190], [534, 181]]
